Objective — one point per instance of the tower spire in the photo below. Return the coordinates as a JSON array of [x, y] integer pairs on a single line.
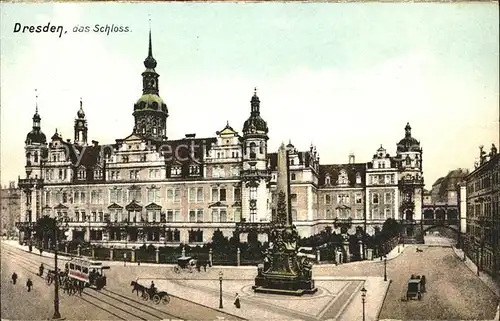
[[150, 62], [36, 101]]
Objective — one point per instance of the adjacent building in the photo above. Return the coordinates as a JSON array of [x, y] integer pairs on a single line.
[[10, 200], [482, 239], [149, 188]]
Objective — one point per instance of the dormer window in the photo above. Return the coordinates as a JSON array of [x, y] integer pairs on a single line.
[[176, 171], [358, 178], [343, 179], [327, 180], [98, 173], [408, 160], [194, 170], [81, 174]]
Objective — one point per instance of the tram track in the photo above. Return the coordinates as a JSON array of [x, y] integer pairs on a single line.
[[15, 259], [193, 310], [115, 306]]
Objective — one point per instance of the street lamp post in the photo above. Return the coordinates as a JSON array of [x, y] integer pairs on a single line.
[[220, 287], [57, 314], [363, 300], [385, 268]]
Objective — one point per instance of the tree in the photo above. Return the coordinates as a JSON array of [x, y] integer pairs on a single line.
[[391, 228], [219, 241], [45, 227]]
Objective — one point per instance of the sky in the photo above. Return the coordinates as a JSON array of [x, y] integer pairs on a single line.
[[346, 77]]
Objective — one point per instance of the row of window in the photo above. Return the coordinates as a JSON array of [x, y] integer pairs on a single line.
[[217, 214], [343, 178], [154, 195], [488, 209], [382, 179], [344, 199], [344, 213], [483, 182]]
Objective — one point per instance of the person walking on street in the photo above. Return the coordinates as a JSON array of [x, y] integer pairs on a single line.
[[29, 284], [14, 277], [237, 301], [40, 270]]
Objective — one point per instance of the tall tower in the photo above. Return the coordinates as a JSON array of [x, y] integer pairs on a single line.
[[255, 175], [81, 126], [411, 181], [35, 147], [36, 150], [150, 112]]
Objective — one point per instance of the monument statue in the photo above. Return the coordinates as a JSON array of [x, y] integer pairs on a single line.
[[284, 271]]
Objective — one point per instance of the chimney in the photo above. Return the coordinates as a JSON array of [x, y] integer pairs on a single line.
[[351, 158]]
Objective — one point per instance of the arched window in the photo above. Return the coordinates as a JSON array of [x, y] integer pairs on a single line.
[[36, 157], [328, 199], [253, 148], [294, 177], [261, 148], [327, 180], [358, 178]]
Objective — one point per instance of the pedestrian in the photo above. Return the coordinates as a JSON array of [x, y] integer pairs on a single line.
[[14, 277], [237, 301], [29, 284]]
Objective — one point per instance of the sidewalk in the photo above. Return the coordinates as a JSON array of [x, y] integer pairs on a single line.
[[487, 279], [14, 243]]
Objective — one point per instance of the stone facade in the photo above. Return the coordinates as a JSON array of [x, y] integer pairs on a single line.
[[483, 213], [145, 188], [10, 207]]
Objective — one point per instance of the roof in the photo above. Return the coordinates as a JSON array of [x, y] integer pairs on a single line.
[[334, 170], [304, 159], [184, 152]]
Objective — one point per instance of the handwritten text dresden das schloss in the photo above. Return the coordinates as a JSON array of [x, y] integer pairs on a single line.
[[60, 30]]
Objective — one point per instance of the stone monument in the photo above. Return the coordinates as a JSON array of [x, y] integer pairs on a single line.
[[284, 271]]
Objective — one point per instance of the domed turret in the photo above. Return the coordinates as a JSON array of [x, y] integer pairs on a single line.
[[36, 136], [255, 124], [150, 111], [408, 143]]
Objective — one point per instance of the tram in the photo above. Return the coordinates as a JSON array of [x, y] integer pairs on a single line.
[[90, 272]]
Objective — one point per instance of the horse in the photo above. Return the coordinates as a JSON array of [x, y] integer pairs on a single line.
[[202, 263], [137, 287]]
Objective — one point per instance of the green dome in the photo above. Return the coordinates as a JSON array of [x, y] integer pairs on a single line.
[[256, 122], [150, 102], [36, 136]]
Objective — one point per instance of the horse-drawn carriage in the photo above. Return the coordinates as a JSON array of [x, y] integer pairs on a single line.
[[189, 264], [416, 287], [150, 293], [186, 263]]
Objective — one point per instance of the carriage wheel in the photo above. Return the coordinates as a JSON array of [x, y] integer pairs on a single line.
[[165, 299], [145, 296], [156, 299], [177, 269]]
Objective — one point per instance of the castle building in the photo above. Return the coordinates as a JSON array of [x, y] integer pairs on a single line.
[[149, 188], [482, 238]]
